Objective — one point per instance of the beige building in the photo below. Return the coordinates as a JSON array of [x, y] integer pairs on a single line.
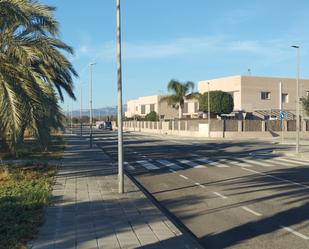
[[144, 105], [253, 94]]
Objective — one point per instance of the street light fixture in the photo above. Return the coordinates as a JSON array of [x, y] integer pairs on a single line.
[[90, 116], [119, 87], [297, 97]]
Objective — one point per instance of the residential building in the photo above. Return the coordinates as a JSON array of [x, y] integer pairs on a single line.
[[144, 105], [259, 96]]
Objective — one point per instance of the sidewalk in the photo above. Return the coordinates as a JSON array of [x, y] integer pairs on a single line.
[[86, 211]]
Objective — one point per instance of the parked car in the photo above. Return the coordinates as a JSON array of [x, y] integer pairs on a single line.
[[106, 125]]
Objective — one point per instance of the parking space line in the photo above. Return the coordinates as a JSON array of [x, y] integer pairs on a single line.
[[200, 185], [173, 171], [220, 195], [251, 211], [295, 232]]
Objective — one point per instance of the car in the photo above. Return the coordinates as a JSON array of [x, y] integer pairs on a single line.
[[106, 125]]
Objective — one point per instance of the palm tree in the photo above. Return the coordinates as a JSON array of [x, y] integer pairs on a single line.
[[180, 91], [31, 65]]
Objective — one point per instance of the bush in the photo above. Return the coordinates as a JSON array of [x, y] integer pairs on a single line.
[[152, 116], [220, 102], [305, 102]]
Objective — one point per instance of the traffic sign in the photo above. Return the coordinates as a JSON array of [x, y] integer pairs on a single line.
[[282, 115]]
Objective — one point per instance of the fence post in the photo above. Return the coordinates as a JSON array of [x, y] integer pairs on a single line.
[[263, 126], [239, 125]]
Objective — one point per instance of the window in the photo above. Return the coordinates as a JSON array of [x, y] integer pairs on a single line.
[[152, 107], [265, 95], [143, 109], [285, 98], [185, 108], [136, 109]]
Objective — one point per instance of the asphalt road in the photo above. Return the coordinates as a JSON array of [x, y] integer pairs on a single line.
[[230, 194]]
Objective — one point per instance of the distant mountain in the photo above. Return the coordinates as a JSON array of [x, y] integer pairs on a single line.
[[105, 111]]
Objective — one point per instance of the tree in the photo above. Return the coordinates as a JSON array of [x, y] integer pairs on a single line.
[[180, 91], [220, 102], [31, 65], [305, 102], [152, 116]]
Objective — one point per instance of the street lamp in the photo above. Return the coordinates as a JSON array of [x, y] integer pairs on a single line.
[[119, 91], [208, 115], [81, 110], [90, 116], [297, 97]]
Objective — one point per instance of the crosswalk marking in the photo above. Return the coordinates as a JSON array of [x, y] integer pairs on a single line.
[[213, 163], [292, 161], [259, 163], [169, 164], [129, 166], [279, 162], [191, 164], [147, 165]]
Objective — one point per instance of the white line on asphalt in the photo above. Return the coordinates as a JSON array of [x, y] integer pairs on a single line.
[[278, 178], [200, 185], [259, 163], [169, 164], [173, 171], [184, 177], [251, 211], [220, 195], [295, 232], [130, 167], [213, 163], [191, 164], [147, 165], [288, 160]]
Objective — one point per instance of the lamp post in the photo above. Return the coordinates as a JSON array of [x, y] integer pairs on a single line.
[[208, 115], [81, 110], [297, 97], [119, 91], [90, 116]]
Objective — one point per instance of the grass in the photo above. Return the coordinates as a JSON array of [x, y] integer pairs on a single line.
[[24, 191], [32, 150]]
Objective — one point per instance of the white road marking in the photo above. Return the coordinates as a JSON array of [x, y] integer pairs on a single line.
[[169, 164], [200, 185], [288, 160], [191, 164], [173, 171], [251, 211], [257, 162], [278, 178], [147, 165], [184, 177], [220, 195], [279, 162], [295, 232], [214, 163], [130, 167]]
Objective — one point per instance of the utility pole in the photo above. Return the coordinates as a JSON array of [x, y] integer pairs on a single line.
[[90, 137], [281, 109], [208, 115], [119, 87], [297, 98], [81, 110]]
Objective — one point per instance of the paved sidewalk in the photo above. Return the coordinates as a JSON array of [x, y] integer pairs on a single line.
[[86, 211]]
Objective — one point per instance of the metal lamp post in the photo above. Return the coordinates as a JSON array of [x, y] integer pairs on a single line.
[[81, 110], [297, 97], [90, 116], [119, 87], [208, 115]]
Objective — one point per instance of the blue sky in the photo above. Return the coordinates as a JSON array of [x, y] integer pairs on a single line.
[[180, 39]]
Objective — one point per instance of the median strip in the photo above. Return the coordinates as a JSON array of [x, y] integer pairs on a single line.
[[251, 211]]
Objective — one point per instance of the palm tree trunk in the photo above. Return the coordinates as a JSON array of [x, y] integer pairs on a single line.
[[180, 112]]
